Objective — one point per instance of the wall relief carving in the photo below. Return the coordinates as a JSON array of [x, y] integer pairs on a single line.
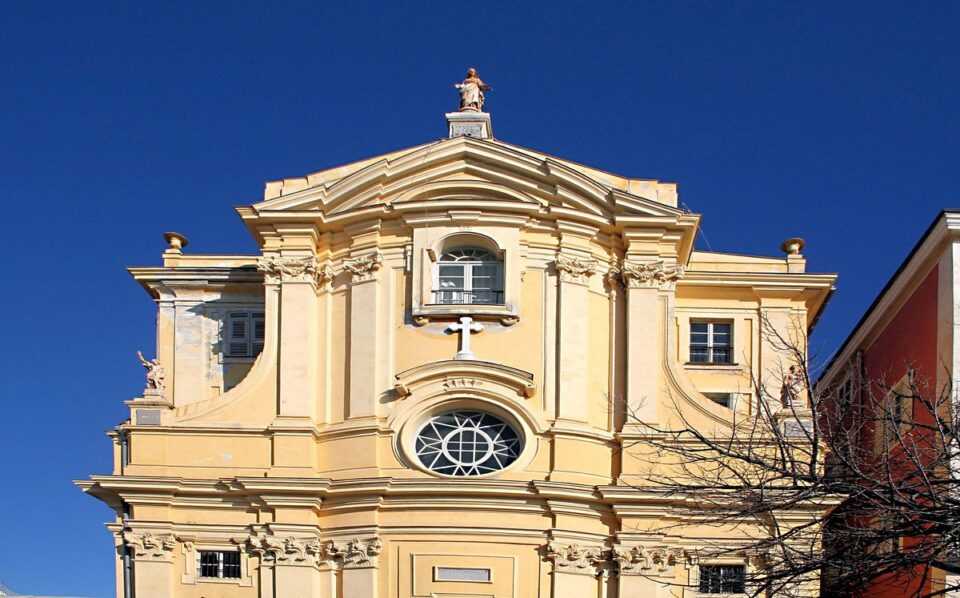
[[363, 268], [646, 561], [575, 269], [659, 274], [314, 552], [573, 558], [294, 269], [150, 547]]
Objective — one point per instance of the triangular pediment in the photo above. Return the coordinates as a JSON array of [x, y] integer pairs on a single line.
[[466, 172]]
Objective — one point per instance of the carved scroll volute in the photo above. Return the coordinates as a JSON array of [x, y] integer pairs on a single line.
[[638, 560], [575, 269], [147, 546], [363, 268], [573, 558], [656, 274], [356, 554], [278, 269]]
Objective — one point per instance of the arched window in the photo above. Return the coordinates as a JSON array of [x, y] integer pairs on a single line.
[[468, 276]]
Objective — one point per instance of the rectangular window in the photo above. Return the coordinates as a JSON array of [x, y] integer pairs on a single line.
[[724, 399], [244, 332], [711, 342], [722, 579], [219, 564]]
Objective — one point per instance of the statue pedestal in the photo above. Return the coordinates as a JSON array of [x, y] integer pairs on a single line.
[[470, 124], [148, 409]]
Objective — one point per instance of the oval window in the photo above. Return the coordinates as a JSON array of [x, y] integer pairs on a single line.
[[466, 443]]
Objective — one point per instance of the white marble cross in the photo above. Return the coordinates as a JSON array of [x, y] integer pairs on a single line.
[[465, 327]]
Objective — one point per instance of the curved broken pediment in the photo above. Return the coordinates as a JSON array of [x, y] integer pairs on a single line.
[[464, 376]]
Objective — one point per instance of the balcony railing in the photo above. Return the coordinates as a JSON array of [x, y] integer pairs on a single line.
[[702, 354], [462, 297]]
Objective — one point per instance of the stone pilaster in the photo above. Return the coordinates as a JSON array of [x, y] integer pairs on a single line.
[[300, 278], [649, 572], [645, 281], [153, 568], [574, 274], [366, 334]]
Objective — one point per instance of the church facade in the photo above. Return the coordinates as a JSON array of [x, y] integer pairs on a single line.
[[436, 379]]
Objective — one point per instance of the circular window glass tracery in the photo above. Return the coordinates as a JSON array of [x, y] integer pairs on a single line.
[[466, 443]]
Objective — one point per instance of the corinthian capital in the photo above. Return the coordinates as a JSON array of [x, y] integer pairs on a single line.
[[658, 275], [575, 269], [356, 554], [294, 269], [573, 558], [149, 547], [363, 268], [639, 560]]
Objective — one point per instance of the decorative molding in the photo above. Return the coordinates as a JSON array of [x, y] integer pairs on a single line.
[[575, 269], [613, 276], [356, 554], [573, 558], [363, 268], [464, 375], [456, 383], [659, 275], [294, 269], [149, 547], [646, 561], [313, 552]]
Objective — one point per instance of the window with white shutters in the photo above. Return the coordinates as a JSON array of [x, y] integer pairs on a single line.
[[244, 333]]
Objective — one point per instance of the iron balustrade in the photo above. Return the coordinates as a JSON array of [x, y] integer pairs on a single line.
[[464, 297]]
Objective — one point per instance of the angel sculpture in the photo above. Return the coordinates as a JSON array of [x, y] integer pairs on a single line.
[[156, 376]]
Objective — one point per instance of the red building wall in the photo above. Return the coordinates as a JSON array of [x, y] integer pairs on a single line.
[[908, 341]]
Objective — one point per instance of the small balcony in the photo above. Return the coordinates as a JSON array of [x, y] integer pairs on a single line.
[[465, 297]]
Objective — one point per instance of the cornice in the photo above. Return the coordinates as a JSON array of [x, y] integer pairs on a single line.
[[944, 230]]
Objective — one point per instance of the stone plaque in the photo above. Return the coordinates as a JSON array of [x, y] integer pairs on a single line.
[[796, 428], [148, 417], [467, 130]]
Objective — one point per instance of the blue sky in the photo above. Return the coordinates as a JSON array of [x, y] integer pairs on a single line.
[[837, 122]]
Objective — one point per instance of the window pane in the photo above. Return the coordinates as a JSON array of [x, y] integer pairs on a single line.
[[698, 327], [698, 338], [209, 563], [231, 565], [699, 354], [721, 329]]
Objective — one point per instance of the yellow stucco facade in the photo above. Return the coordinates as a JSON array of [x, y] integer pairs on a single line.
[[308, 457]]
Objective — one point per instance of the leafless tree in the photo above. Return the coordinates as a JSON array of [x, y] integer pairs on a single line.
[[854, 484]]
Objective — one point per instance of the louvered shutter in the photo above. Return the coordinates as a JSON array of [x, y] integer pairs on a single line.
[[259, 332], [238, 335]]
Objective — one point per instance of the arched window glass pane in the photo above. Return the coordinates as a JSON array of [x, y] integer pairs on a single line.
[[467, 254], [468, 276]]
